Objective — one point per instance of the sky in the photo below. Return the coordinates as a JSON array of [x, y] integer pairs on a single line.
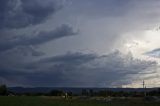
[[80, 43]]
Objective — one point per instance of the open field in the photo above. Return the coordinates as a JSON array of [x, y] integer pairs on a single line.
[[50, 101]]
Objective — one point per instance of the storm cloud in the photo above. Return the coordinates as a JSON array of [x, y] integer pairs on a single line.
[[79, 43], [79, 69], [37, 39], [22, 13], [19, 14]]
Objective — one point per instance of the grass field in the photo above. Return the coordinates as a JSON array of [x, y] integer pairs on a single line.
[[49, 101]]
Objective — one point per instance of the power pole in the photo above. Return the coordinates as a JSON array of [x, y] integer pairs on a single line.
[[143, 84], [144, 88]]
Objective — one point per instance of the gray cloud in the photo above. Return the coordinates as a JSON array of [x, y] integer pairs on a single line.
[[102, 31], [18, 49], [79, 69], [19, 14], [23, 13], [76, 58], [37, 39], [27, 51]]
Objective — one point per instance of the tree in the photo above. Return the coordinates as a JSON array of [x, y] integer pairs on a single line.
[[91, 92], [3, 90]]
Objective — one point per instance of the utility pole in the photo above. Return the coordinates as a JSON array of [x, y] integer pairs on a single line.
[[144, 88], [143, 84]]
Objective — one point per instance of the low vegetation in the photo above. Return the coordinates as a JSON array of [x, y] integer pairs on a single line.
[[52, 101]]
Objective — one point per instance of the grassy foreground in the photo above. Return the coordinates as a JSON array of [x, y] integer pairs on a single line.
[[49, 101]]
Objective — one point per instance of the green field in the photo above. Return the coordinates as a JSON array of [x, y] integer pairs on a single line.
[[49, 101]]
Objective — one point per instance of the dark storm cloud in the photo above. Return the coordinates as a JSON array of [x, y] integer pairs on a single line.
[[67, 62], [39, 10], [79, 69], [22, 13], [27, 51], [40, 38], [17, 49], [34, 74], [19, 14], [26, 18], [75, 58]]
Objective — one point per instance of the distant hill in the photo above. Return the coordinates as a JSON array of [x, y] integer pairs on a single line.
[[74, 90]]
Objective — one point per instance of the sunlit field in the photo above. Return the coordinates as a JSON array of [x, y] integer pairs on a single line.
[[51, 101]]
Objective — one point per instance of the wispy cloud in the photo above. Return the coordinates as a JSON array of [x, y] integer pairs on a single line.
[[154, 53]]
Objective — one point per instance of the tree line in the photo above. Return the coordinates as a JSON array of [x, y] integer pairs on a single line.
[[84, 92]]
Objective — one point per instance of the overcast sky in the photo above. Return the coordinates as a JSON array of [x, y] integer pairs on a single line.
[[80, 43]]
